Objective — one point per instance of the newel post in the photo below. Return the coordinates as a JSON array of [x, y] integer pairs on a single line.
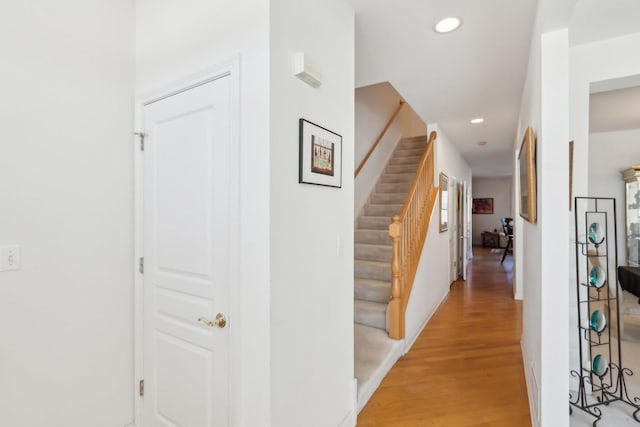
[[396, 317]]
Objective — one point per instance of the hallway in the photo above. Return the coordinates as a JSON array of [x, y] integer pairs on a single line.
[[465, 369]]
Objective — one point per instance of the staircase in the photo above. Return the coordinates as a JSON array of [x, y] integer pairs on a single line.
[[373, 248]]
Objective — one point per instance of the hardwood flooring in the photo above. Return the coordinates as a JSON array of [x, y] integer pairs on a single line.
[[466, 367]]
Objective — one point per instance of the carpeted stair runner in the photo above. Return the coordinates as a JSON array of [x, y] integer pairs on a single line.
[[372, 241]]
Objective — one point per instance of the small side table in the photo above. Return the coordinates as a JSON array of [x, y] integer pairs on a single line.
[[490, 240]]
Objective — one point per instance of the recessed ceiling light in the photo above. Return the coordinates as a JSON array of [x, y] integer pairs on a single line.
[[482, 142], [477, 120], [447, 25]]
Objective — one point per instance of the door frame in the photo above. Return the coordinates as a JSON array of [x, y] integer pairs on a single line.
[[463, 234], [453, 229], [228, 69]]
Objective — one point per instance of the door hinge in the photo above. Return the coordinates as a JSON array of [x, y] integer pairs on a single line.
[[141, 135], [141, 265], [141, 387]]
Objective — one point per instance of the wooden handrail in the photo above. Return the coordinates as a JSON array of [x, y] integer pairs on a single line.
[[384, 131], [408, 231]]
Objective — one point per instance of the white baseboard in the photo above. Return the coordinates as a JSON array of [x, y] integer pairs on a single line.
[[351, 418], [533, 390], [411, 342]]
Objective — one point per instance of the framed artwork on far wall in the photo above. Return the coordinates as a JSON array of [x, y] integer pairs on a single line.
[[320, 160], [527, 176], [482, 205]]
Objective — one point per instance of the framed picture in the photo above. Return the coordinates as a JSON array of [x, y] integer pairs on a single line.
[[443, 197], [482, 206], [320, 155], [527, 175]]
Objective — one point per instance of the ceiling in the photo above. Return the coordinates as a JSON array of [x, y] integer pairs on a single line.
[[476, 71], [593, 20], [615, 110]]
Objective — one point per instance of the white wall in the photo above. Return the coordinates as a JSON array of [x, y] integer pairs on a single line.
[[610, 153], [540, 248], [375, 105], [311, 226], [500, 189], [173, 41], [66, 171], [527, 257], [433, 277], [591, 62], [595, 62]]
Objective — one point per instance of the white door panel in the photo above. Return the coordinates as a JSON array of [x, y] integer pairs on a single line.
[[186, 249]]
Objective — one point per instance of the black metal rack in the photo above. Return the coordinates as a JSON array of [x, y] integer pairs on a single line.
[[596, 260]]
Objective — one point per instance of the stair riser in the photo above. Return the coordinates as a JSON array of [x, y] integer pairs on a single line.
[[379, 295], [391, 178], [402, 152], [396, 169], [410, 145], [382, 210], [373, 237], [375, 319], [424, 138], [373, 253], [374, 223], [399, 187], [405, 161], [388, 198], [372, 271]]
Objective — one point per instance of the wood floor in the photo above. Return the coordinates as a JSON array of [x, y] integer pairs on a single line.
[[466, 368]]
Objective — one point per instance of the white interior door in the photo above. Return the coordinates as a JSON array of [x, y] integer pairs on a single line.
[[186, 257]]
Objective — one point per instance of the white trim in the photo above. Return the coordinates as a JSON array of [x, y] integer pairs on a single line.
[[231, 68], [351, 418], [410, 344], [138, 250], [529, 375], [348, 420]]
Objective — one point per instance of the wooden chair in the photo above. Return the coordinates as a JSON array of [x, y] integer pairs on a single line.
[[507, 228]]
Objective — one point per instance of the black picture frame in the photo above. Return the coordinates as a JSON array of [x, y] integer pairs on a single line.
[[320, 155]]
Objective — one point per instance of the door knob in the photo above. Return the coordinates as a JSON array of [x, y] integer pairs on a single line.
[[220, 321]]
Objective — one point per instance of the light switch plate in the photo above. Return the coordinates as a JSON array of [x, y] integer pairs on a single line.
[[9, 258]]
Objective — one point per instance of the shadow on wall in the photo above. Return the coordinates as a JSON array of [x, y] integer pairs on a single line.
[[375, 105]]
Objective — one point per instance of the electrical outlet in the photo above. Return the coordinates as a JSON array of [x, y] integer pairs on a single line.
[[9, 258]]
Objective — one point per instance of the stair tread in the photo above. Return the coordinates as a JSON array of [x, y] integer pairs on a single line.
[[373, 245], [398, 173], [372, 283], [408, 152], [395, 193], [424, 139], [383, 226], [407, 157], [376, 263], [370, 305]]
